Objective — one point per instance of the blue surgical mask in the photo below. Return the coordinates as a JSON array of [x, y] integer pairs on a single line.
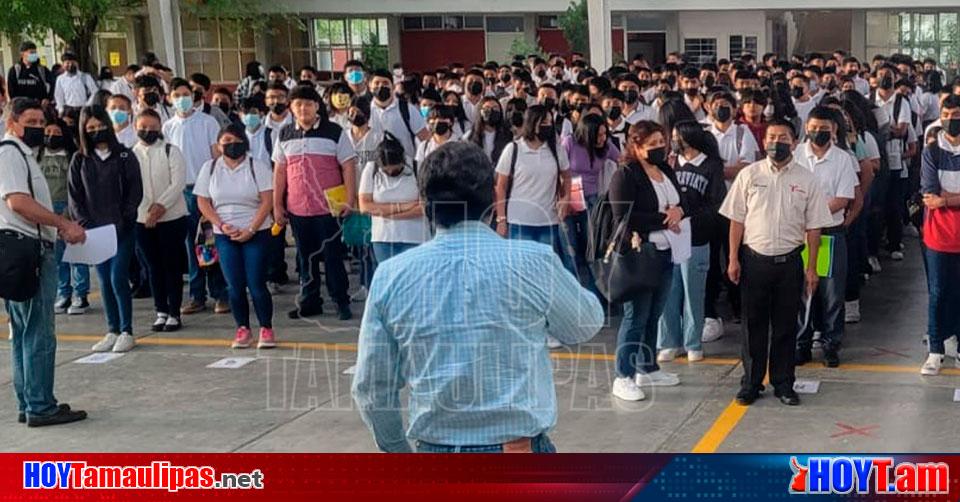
[[424, 110], [183, 104], [354, 77], [33, 57], [251, 121], [119, 116]]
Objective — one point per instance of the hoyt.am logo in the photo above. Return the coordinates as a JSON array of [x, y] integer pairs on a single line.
[[876, 475]]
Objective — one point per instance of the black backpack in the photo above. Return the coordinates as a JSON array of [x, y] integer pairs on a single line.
[[601, 228]]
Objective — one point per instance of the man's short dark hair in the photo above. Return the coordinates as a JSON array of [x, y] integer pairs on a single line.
[[20, 105], [456, 181], [178, 83], [146, 81], [950, 102], [28, 46], [353, 62], [305, 92], [783, 123], [202, 80], [254, 102], [278, 86]]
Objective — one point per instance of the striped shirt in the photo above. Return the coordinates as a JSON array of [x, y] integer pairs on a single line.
[[463, 320], [313, 161]]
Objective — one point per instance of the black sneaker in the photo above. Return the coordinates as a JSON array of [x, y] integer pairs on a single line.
[[831, 357], [22, 417], [746, 397], [343, 312], [62, 416], [143, 291], [804, 355], [301, 312], [788, 397]]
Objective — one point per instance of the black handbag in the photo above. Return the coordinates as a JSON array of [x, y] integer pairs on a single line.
[[20, 255], [619, 276]]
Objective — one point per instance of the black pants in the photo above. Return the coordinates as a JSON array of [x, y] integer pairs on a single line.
[[771, 289], [162, 246], [717, 277], [319, 237]]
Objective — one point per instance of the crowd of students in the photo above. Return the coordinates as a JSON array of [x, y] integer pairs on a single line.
[[183, 170]]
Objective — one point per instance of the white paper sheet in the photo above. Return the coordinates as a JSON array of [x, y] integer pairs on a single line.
[[806, 386], [100, 246], [99, 358], [806, 313], [229, 363], [680, 243]]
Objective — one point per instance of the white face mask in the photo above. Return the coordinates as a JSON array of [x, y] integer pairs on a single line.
[[768, 112]]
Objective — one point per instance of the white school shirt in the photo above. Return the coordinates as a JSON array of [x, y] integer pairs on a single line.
[[533, 195], [666, 196], [128, 135], [74, 90], [162, 174], [836, 173], [732, 151], [393, 189], [894, 145], [235, 193], [390, 120], [193, 135]]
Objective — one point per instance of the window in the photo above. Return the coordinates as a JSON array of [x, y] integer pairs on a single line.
[[453, 22], [475, 22], [700, 50], [335, 41], [547, 22], [411, 23], [218, 48], [742, 44], [432, 22], [505, 24], [918, 34]]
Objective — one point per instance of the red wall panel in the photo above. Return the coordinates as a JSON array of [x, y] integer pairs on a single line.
[[617, 35], [552, 41], [430, 49]]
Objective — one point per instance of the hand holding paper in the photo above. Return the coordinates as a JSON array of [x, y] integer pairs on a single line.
[[100, 246]]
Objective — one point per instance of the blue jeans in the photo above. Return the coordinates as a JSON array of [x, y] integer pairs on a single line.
[[943, 311], [577, 226], [245, 267], [637, 336], [201, 279], [386, 250], [34, 345], [540, 444], [114, 275], [827, 307], [547, 234], [681, 323], [65, 271]]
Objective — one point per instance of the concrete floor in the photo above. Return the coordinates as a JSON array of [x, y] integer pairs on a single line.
[[162, 397]]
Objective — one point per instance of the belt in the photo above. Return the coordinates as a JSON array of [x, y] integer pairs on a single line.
[[20, 235], [521, 445], [776, 260], [839, 229]]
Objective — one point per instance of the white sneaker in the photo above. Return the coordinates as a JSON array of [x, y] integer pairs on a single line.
[[273, 288], [124, 343], [658, 379], [553, 343], [852, 312], [61, 306], [667, 355], [159, 323], [712, 330], [360, 295], [896, 256], [106, 344], [694, 356], [626, 389], [78, 306], [932, 365], [874, 263]]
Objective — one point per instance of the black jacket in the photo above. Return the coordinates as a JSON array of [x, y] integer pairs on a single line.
[[105, 191], [702, 190], [33, 82], [630, 184]]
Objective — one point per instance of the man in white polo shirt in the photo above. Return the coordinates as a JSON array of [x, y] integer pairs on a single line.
[[386, 116], [835, 170], [896, 116], [195, 134], [74, 88]]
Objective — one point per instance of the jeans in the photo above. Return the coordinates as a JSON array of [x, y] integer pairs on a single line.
[[201, 279], [549, 235], [943, 310], [539, 444], [637, 337], [114, 275], [576, 228], [165, 263], [277, 260], [368, 263], [386, 250], [316, 236], [34, 346], [681, 324], [827, 307], [245, 267], [894, 208], [856, 256], [717, 277], [65, 271]]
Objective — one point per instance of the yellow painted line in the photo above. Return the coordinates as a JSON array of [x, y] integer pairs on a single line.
[[721, 428], [210, 342]]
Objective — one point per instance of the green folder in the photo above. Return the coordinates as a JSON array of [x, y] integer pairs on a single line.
[[824, 256]]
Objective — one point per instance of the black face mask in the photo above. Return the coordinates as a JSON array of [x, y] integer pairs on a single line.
[[54, 142], [148, 137], [692, 91], [796, 92], [392, 157], [886, 83], [724, 113], [542, 74], [492, 117], [516, 119], [709, 81], [383, 93], [778, 152], [631, 96], [235, 150], [151, 98], [644, 84], [545, 133], [831, 86], [441, 128], [432, 86], [564, 109], [820, 138], [475, 88], [98, 137], [279, 108], [615, 112], [224, 107], [33, 136], [358, 119], [505, 78], [952, 127], [550, 103], [657, 155]]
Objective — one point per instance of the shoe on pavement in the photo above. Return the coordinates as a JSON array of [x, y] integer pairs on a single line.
[[62, 416], [851, 313], [712, 330], [896, 256], [301, 312], [932, 365], [173, 324], [159, 323], [106, 343], [194, 307], [267, 341], [667, 355], [22, 417], [789, 397], [803, 356], [273, 288], [243, 338], [221, 307], [79, 306], [626, 389], [746, 397], [694, 356], [360, 295], [124, 343], [874, 263], [60, 307], [553, 343], [343, 312], [831, 357], [658, 379]]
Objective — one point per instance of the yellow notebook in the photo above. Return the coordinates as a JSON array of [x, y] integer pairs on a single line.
[[824, 256], [336, 198]]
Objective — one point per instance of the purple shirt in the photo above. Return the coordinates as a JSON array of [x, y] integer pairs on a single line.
[[580, 163]]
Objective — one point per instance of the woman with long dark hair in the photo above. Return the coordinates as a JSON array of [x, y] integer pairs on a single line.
[[673, 111], [460, 123], [699, 172], [490, 131], [105, 188]]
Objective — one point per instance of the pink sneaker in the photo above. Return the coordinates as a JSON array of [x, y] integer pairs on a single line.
[[266, 339], [243, 338]]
